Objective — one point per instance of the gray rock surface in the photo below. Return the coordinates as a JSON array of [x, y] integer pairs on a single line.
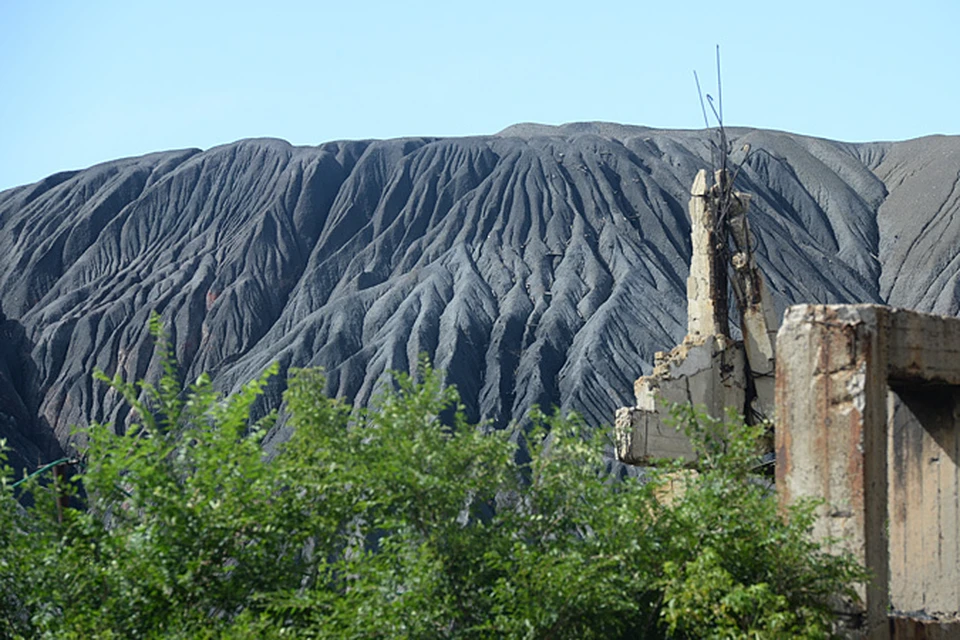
[[542, 265]]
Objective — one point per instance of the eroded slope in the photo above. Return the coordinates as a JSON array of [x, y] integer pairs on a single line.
[[542, 265]]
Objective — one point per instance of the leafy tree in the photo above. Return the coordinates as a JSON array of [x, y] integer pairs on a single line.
[[400, 521]]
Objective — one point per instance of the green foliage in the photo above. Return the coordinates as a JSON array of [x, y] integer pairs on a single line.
[[737, 568], [392, 522]]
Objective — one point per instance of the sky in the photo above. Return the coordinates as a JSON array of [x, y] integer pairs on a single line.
[[83, 82]]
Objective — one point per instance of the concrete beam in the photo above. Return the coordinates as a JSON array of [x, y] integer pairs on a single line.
[[924, 348]]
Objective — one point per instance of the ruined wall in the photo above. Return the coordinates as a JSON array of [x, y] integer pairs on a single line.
[[924, 499], [702, 371], [867, 404]]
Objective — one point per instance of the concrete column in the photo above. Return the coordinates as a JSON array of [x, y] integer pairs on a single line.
[[707, 313], [831, 440]]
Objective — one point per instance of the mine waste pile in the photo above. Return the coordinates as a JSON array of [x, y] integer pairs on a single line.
[[541, 265]]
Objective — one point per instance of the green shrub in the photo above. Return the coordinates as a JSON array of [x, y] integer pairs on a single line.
[[391, 522], [738, 568]]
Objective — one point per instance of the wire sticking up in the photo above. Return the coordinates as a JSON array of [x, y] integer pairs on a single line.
[[719, 87], [725, 198], [703, 108], [706, 125], [733, 246]]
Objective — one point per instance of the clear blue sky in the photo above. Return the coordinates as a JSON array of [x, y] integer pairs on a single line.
[[87, 81]]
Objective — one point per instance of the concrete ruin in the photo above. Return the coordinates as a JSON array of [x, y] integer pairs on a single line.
[[868, 409], [867, 405], [708, 369]]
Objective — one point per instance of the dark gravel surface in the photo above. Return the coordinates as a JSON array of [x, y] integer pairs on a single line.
[[542, 265]]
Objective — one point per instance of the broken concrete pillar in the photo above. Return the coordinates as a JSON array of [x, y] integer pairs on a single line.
[[708, 369], [707, 313], [868, 412]]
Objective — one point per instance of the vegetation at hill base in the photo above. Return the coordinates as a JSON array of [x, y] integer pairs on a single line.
[[399, 521]]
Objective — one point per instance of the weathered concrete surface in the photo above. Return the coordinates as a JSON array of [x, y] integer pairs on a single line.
[[703, 371], [924, 510], [909, 628], [924, 348], [707, 313], [830, 442], [673, 486], [708, 369], [867, 414], [758, 318]]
